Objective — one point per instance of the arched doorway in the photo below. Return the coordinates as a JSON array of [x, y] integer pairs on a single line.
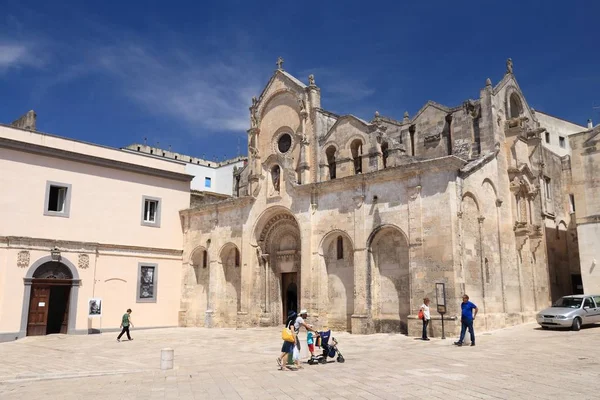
[[290, 287], [278, 239], [50, 302], [390, 288], [231, 302], [337, 252]]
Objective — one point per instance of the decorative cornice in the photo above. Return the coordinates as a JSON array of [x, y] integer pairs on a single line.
[[43, 244], [221, 206], [396, 173], [92, 160]]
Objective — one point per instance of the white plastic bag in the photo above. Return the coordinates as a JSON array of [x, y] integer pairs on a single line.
[[296, 354]]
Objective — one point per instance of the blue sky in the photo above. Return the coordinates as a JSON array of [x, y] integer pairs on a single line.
[[183, 73]]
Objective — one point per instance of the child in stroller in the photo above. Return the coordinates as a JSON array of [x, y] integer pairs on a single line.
[[329, 346]]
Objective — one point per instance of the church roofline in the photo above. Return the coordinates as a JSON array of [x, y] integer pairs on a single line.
[[559, 118], [405, 171], [287, 75], [342, 118]]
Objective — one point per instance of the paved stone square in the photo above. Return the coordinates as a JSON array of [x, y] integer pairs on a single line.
[[521, 362]]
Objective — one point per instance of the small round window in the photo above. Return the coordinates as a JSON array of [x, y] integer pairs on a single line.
[[284, 143]]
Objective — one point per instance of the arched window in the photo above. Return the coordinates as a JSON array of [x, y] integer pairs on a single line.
[[340, 248], [516, 108], [275, 175], [356, 150], [384, 151], [330, 153]]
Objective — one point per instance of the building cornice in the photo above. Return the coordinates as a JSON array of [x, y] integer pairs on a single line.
[[228, 204], [92, 160], [401, 172], [32, 243]]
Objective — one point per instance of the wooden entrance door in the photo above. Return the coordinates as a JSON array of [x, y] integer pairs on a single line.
[[38, 310], [48, 306]]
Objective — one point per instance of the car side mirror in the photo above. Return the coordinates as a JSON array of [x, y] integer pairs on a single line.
[[586, 307]]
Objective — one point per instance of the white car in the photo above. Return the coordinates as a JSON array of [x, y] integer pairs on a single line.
[[571, 311]]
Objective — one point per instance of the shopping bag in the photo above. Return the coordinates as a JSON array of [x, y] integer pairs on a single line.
[[286, 334], [296, 353]]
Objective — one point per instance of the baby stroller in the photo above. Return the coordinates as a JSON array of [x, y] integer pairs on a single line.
[[329, 346]]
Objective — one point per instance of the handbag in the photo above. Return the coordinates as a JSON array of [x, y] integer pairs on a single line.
[[421, 315], [286, 334]]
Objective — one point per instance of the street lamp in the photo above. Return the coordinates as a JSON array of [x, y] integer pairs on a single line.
[[440, 298], [55, 254]]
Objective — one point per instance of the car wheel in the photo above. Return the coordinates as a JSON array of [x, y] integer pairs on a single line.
[[576, 324]]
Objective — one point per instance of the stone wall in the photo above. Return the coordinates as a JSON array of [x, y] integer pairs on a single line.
[[585, 167]]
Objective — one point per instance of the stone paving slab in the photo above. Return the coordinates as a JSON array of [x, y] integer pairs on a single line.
[[515, 363]]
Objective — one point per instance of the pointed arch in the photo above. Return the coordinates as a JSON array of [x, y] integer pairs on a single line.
[[471, 196], [489, 182], [229, 258], [338, 282], [389, 294]]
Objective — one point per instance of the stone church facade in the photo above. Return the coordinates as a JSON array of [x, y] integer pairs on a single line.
[[357, 220]]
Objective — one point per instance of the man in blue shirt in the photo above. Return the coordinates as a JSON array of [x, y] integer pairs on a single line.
[[469, 312]]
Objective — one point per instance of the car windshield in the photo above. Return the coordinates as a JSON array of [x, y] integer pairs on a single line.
[[568, 302]]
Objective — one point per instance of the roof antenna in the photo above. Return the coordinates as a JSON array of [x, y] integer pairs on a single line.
[[145, 141]]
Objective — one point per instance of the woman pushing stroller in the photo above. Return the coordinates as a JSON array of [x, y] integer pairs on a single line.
[[294, 323]]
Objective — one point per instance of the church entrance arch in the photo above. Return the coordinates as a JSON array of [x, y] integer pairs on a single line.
[[50, 300], [278, 239]]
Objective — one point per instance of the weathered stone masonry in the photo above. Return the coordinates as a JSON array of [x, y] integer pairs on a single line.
[[356, 221]]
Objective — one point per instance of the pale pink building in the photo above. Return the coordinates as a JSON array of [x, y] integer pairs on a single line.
[[80, 221]]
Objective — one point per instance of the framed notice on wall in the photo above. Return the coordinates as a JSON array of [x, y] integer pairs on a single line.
[[95, 308], [440, 297]]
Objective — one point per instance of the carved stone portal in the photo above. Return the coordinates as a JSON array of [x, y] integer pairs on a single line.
[[23, 259]]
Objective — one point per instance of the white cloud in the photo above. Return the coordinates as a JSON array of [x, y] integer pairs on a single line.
[[212, 92], [13, 55]]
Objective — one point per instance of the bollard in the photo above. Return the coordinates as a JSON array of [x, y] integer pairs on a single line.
[[166, 358]]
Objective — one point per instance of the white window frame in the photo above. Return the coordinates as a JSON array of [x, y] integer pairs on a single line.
[[156, 222], [66, 212]]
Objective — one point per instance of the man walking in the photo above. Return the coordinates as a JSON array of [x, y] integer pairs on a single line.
[[468, 314], [125, 324], [300, 322]]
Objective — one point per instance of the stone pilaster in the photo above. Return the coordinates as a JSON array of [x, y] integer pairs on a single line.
[[361, 319]]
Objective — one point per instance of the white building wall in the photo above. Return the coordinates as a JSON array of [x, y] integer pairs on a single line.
[[555, 129], [221, 177]]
